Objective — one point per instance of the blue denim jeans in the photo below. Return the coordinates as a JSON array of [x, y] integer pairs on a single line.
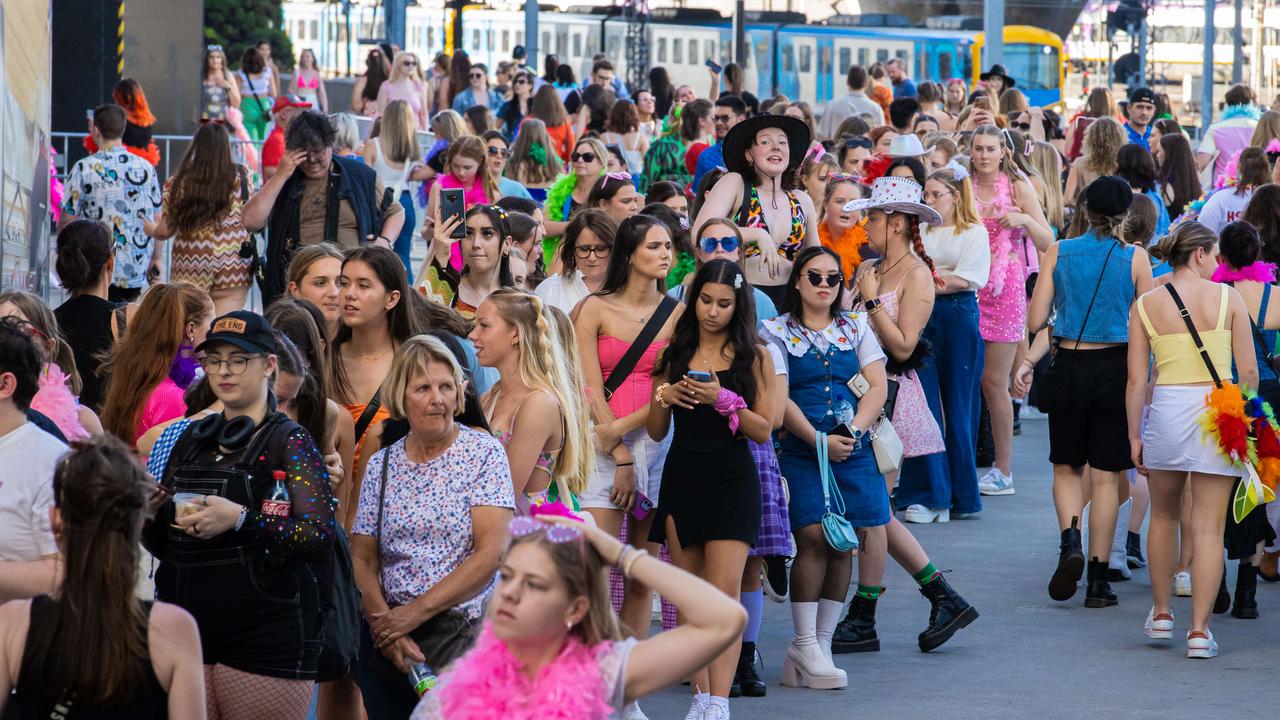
[[952, 380], [403, 244]]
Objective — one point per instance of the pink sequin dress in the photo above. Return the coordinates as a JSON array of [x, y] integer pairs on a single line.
[[912, 419], [1002, 302]]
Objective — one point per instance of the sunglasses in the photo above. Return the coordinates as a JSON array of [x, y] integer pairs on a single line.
[[838, 177], [722, 118], [586, 157], [500, 152], [520, 81], [476, 76], [213, 48], [730, 243], [409, 63], [858, 142], [1024, 127], [817, 279], [556, 534]]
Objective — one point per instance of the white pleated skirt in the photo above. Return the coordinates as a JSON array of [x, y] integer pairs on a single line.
[[1172, 438]]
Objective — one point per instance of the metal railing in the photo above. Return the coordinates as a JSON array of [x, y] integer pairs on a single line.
[[172, 147]]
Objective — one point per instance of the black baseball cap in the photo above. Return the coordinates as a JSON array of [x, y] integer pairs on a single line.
[[518, 53], [246, 330], [1142, 94], [1109, 195]]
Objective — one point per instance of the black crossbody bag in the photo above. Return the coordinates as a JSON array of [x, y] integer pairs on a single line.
[[1057, 380]]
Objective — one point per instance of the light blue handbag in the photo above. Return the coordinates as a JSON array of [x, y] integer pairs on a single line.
[[837, 530]]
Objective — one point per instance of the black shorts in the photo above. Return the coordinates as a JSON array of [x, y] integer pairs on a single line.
[[1088, 424]]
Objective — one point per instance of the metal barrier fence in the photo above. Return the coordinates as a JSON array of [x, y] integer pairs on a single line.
[[70, 148]]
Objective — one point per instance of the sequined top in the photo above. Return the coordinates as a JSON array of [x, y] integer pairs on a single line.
[[755, 218]]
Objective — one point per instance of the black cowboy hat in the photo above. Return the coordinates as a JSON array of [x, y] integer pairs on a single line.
[[998, 71], [742, 135]]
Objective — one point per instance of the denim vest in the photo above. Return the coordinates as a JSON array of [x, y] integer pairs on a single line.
[[1075, 277], [1264, 341]]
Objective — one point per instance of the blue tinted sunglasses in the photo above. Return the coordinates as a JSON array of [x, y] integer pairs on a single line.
[[730, 243]]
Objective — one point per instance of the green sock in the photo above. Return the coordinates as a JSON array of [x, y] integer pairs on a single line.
[[869, 592], [927, 575]]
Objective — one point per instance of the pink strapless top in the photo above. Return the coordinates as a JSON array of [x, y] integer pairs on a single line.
[[635, 390]]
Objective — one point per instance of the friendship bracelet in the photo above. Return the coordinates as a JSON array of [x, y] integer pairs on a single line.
[[622, 554], [657, 396], [625, 464], [632, 560]]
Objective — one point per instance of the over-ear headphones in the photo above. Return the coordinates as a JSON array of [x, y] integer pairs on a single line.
[[231, 434]]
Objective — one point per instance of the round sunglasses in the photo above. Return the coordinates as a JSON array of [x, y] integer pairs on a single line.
[[730, 243]]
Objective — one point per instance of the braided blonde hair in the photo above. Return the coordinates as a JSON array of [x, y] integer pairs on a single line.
[[544, 367]]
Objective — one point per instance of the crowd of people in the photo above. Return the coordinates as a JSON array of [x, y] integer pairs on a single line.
[[696, 349]]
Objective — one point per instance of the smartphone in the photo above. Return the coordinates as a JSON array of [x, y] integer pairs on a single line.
[[699, 375], [452, 203], [642, 508], [715, 66], [843, 430]]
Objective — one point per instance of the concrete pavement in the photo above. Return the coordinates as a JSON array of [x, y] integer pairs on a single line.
[[1027, 656]]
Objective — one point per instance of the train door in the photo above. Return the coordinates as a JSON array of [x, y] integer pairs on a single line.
[[806, 48], [826, 82], [765, 56]]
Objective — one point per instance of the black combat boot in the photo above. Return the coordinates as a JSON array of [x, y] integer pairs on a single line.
[[1070, 564], [746, 679], [857, 631], [1246, 605], [1098, 592], [949, 613]]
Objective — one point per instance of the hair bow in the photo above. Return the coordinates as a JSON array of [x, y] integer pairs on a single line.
[[538, 153], [957, 170]]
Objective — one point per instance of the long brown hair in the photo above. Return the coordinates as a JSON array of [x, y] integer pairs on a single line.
[[401, 322], [524, 166], [155, 335], [93, 646], [547, 107], [204, 185], [397, 137], [42, 319], [473, 148], [1101, 103], [1102, 142], [296, 319]]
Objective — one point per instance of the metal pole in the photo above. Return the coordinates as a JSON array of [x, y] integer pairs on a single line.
[[531, 32], [740, 33], [1206, 70], [1237, 43], [393, 21], [993, 29]]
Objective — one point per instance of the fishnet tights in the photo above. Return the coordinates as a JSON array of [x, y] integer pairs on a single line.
[[236, 695]]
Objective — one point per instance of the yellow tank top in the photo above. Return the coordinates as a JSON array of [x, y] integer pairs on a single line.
[[1177, 358]]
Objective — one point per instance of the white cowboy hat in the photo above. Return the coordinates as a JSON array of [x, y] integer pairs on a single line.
[[896, 194], [908, 146]]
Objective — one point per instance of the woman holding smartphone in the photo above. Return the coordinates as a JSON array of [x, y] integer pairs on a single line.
[[823, 347], [712, 381]]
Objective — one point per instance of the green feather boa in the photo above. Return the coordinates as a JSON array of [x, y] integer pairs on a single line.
[[554, 210], [685, 264]]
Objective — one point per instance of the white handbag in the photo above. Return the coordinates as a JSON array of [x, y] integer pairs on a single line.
[[887, 446]]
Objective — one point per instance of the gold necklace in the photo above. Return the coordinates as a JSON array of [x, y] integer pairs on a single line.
[[382, 354]]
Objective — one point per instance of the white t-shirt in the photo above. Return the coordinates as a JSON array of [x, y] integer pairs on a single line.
[[966, 255], [29, 456], [563, 292], [1223, 207]]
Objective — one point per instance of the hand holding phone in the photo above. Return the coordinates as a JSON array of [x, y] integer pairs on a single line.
[[714, 66], [452, 203], [699, 375]]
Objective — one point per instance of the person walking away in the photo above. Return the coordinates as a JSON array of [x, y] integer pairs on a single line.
[[120, 189], [1088, 282], [94, 646], [396, 157], [1229, 135], [203, 202], [1195, 328]]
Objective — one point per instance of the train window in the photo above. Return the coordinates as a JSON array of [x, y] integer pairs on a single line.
[[519, 37], [577, 45], [901, 55], [693, 52], [431, 37], [788, 58], [489, 37], [944, 66], [882, 55], [846, 60], [1034, 65], [475, 41], [824, 61], [863, 55], [546, 43], [506, 40], [315, 29], [662, 50], [677, 50], [806, 59], [710, 46]]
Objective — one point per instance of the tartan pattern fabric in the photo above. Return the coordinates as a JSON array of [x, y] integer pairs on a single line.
[[775, 524]]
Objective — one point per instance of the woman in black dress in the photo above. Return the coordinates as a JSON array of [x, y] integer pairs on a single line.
[[714, 379]]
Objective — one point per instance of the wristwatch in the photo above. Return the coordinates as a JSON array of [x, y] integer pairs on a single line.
[[857, 434], [872, 304]]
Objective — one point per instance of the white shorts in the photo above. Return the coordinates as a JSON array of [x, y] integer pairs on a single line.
[[649, 459], [1173, 439]]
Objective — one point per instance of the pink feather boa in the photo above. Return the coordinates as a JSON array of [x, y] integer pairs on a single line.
[[1262, 272], [488, 684], [54, 400]]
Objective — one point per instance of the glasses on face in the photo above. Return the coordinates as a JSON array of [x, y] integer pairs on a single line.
[[838, 177], [520, 81], [236, 364], [499, 152], [477, 76], [556, 534], [858, 142], [722, 118], [585, 251], [586, 157], [730, 243], [409, 63], [935, 196], [213, 48], [818, 280], [1024, 127]]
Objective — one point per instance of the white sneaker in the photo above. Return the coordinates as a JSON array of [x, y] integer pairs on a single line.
[[995, 483], [697, 708], [632, 712], [1182, 584], [717, 711], [1201, 645], [922, 514], [1158, 627]]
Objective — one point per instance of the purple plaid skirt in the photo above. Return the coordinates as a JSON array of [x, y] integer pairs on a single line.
[[775, 526]]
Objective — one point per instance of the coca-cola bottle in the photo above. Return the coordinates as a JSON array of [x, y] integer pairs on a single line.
[[278, 504]]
